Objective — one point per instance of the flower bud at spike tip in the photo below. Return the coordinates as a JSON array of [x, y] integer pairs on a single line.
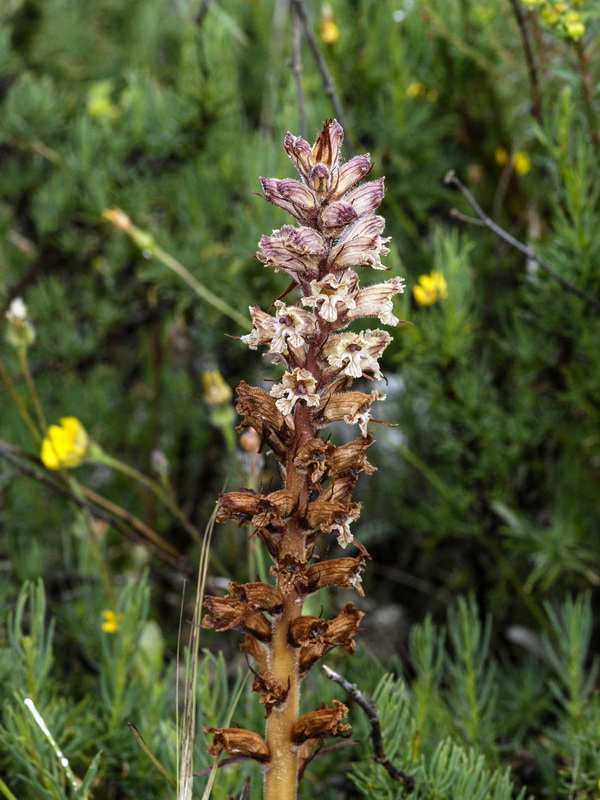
[[335, 231]]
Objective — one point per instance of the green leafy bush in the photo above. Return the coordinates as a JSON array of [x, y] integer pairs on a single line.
[[487, 488]]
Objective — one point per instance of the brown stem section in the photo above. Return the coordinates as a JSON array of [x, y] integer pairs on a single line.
[[281, 776]]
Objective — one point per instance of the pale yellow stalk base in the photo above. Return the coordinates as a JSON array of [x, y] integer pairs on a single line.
[[281, 776]]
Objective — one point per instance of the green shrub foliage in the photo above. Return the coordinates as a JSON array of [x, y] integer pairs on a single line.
[[483, 517]]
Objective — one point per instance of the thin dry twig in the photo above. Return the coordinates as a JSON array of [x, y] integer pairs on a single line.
[[140, 740], [328, 82], [370, 710], [245, 795], [296, 65], [452, 180], [188, 736], [536, 101], [587, 89], [138, 532]]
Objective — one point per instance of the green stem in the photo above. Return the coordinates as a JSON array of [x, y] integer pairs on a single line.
[[103, 458], [95, 548], [24, 362], [20, 405], [434, 479], [6, 791], [588, 98], [198, 287]]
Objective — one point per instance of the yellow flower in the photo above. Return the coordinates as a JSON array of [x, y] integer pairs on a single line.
[[330, 32], [111, 622], [216, 391], [521, 162], [416, 90], [501, 156], [99, 103], [574, 26], [430, 289], [550, 15], [66, 445]]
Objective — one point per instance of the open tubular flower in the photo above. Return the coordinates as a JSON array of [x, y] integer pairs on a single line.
[[65, 446], [336, 232]]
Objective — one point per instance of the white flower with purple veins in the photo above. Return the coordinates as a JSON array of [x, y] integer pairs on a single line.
[[361, 245], [341, 527], [292, 196], [333, 295], [376, 301], [361, 201], [263, 329], [296, 251], [292, 326], [351, 173], [355, 353], [362, 415], [297, 385]]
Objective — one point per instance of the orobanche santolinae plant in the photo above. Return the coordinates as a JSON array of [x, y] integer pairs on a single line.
[[337, 231]]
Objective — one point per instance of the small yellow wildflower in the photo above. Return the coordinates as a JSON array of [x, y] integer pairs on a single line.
[[432, 95], [550, 15], [66, 445], [416, 90], [521, 162], [574, 26], [330, 32], [216, 391], [430, 289], [501, 156], [112, 620], [99, 104]]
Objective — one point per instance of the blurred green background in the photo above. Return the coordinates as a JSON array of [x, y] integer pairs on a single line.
[[171, 110]]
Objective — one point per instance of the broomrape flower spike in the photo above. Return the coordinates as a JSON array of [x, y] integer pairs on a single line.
[[336, 233]]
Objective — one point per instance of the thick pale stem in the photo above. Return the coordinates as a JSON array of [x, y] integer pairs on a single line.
[[281, 776]]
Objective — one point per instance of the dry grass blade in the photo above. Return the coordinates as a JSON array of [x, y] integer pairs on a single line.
[[140, 740], [186, 762]]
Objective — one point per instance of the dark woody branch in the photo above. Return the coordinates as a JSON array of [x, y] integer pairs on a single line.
[[370, 710], [452, 180]]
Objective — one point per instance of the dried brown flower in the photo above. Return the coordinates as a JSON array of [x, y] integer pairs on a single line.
[[321, 723], [238, 742]]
